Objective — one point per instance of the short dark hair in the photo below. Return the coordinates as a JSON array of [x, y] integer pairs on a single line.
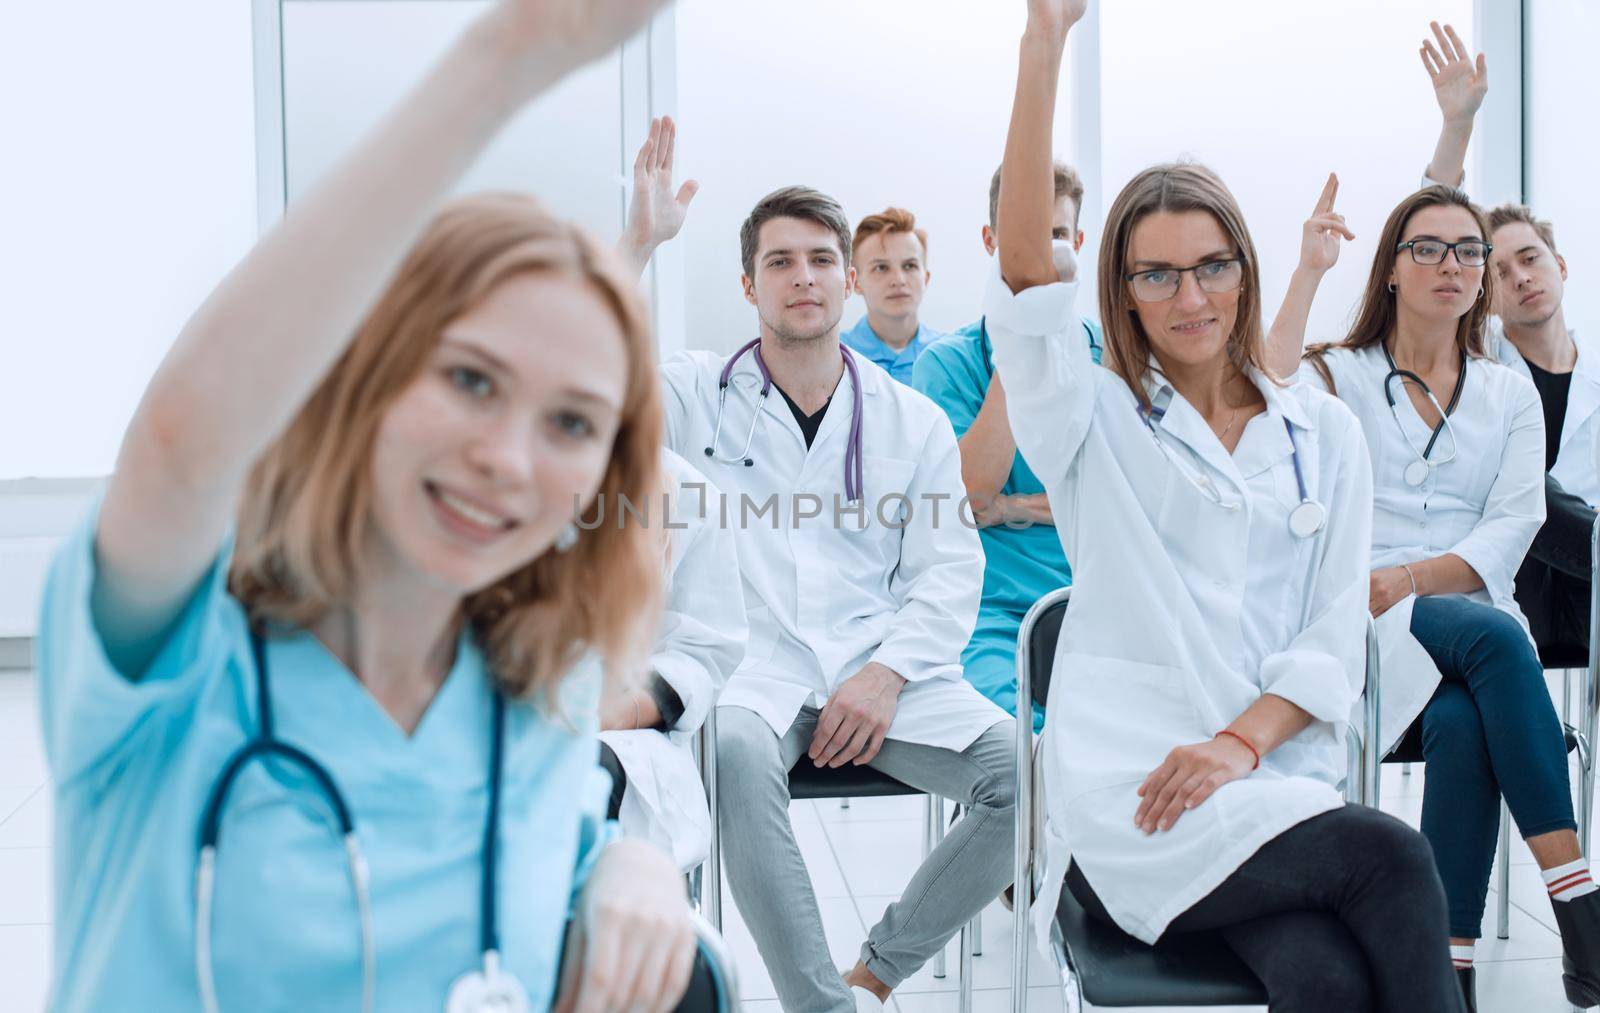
[[792, 202], [1505, 214], [1068, 184]]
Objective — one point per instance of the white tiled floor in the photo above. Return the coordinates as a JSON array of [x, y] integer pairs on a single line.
[[859, 859]]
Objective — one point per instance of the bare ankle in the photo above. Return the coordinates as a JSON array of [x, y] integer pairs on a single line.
[[859, 975]]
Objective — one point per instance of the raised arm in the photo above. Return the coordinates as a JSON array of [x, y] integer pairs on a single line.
[[1027, 180], [259, 345], [656, 213], [1459, 85], [1319, 251], [1039, 352]]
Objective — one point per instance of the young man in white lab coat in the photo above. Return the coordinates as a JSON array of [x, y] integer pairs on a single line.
[[1529, 333], [862, 585]]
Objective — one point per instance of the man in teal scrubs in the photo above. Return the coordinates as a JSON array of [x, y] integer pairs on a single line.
[[1024, 560], [891, 259]]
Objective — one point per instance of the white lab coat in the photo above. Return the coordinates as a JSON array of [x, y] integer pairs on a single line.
[[700, 644], [1577, 465], [1485, 506], [1184, 612], [828, 593]]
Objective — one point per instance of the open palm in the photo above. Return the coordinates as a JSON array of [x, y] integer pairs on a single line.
[[656, 213], [1459, 83]]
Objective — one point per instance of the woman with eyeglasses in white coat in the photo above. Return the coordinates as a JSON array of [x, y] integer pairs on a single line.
[[1458, 458], [1218, 523]]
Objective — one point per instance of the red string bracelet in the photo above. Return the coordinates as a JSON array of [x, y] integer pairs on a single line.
[[1235, 735]]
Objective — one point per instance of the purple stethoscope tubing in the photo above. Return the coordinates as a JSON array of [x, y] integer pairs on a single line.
[[853, 474]]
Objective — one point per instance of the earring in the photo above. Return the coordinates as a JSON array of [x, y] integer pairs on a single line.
[[1391, 288], [566, 538]]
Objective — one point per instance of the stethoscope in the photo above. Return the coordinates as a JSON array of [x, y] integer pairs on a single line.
[[491, 988], [1417, 471], [1305, 520], [852, 454]]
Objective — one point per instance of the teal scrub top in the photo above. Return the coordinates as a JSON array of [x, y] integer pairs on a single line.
[[1021, 564], [133, 762], [865, 342]]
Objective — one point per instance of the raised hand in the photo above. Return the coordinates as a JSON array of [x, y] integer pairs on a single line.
[[1057, 15], [656, 213], [571, 31], [1459, 83], [1322, 232]]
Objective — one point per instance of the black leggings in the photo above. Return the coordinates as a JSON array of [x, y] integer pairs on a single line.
[[1343, 912]]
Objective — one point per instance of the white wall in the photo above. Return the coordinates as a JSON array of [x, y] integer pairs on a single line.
[[567, 146], [1274, 97], [1564, 143], [885, 102], [128, 189]]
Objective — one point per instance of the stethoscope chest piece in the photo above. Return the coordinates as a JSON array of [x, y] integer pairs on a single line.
[[1307, 519], [1416, 473], [488, 990]]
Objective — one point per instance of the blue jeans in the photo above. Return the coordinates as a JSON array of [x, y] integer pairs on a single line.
[[1490, 730]]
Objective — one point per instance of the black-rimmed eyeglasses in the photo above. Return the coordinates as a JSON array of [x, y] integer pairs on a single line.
[[1428, 252], [1163, 283]]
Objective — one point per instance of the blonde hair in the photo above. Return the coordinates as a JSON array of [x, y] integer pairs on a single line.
[[306, 511], [1506, 214], [1174, 187]]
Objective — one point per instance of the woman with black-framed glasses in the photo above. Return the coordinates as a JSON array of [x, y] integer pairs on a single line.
[[1457, 447]]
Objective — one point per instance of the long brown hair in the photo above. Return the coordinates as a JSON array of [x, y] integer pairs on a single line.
[[306, 509], [1377, 316], [1173, 187]]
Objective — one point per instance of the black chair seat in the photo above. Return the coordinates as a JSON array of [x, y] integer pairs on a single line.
[[807, 780], [1409, 748], [1183, 969], [1563, 656]]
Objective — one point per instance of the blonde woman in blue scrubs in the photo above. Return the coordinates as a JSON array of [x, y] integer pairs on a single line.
[[338, 534]]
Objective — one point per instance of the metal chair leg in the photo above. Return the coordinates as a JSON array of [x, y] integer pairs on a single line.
[[1405, 770], [965, 985], [1566, 696], [977, 934], [1503, 902], [711, 872], [844, 803], [932, 831]]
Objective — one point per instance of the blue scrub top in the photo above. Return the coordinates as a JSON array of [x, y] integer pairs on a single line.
[[865, 341], [133, 762], [1021, 564]]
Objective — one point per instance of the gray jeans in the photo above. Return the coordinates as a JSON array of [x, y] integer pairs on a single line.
[[767, 876]]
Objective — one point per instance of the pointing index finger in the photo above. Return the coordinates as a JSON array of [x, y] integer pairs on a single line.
[[1330, 190]]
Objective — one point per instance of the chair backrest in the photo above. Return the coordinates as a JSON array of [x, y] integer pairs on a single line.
[[714, 987], [1041, 630]]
